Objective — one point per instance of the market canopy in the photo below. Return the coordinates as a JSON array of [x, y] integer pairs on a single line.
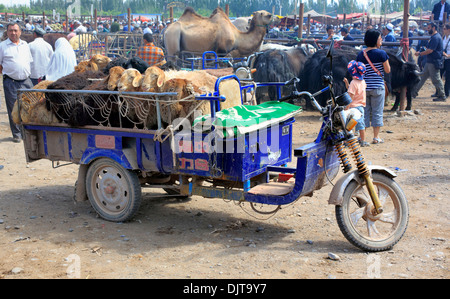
[[314, 14]]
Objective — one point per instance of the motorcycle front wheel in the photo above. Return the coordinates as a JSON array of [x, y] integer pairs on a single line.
[[361, 227]]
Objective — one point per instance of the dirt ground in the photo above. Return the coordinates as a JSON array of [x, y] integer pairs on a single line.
[[45, 234]]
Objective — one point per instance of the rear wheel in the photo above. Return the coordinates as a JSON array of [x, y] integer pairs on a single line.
[[114, 192], [373, 232]]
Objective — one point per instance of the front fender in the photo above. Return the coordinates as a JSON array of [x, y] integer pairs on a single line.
[[119, 156], [337, 194]]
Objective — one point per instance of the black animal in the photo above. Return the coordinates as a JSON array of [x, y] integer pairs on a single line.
[[403, 74], [134, 62], [61, 104], [318, 66], [278, 66], [97, 109]]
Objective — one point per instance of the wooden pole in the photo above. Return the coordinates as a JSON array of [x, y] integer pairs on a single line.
[[129, 19], [300, 20], [227, 9], [405, 49], [95, 19], [171, 15], [308, 25]]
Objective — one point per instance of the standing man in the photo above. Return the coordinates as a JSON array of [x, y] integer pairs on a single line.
[[434, 54], [388, 32], [345, 34], [15, 61], [42, 52], [446, 53], [150, 53], [439, 10]]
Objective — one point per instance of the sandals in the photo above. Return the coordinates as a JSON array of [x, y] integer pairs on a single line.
[[377, 140], [363, 143]]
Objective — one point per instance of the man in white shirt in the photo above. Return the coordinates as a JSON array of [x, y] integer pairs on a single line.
[[42, 52], [15, 64], [78, 28], [148, 29]]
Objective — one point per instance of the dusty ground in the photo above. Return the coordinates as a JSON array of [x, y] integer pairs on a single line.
[[44, 234]]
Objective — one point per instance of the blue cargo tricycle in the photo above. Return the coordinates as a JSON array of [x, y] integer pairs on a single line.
[[245, 163]]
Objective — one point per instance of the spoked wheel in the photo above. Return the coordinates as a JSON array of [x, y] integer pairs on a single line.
[[364, 229], [114, 192]]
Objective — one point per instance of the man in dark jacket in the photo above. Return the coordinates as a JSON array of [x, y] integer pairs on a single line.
[[439, 10], [432, 67]]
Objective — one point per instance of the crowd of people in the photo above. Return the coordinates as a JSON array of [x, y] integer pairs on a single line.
[[23, 65], [367, 88]]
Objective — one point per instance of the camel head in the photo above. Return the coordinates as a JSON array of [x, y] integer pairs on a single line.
[[261, 18]]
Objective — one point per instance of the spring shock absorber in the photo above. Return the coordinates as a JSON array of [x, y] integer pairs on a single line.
[[365, 173], [342, 154]]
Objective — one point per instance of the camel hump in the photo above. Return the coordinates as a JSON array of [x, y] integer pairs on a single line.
[[218, 10], [189, 13]]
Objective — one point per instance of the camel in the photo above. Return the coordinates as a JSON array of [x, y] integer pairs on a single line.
[[194, 33]]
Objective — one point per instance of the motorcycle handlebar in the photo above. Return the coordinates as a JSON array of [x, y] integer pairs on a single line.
[[297, 94]]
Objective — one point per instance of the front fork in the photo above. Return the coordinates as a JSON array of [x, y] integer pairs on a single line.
[[363, 171]]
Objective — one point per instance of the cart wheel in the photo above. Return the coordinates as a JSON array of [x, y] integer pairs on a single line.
[[114, 192], [373, 232]]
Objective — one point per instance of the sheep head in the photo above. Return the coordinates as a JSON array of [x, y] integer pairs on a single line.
[[153, 79], [130, 80], [114, 76], [87, 65], [182, 87], [101, 61]]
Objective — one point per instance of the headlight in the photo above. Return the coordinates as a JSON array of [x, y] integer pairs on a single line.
[[243, 73], [350, 116]]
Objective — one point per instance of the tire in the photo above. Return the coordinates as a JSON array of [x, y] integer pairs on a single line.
[[114, 192], [362, 229]]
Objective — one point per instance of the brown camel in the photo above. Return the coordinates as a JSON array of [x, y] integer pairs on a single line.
[[194, 33]]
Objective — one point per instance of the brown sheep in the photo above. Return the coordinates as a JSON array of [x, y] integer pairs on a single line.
[[137, 110], [153, 79], [115, 73], [182, 109], [97, 62], [86, 65], [100, 60], [32, 107]]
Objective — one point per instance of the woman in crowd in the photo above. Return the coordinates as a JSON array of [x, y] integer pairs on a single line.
[[377, 64], [63, 61]]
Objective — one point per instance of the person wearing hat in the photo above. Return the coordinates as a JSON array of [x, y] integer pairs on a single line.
[[389, 36], [78, 28], [357, 91], [355, 29], [42, 52], [148, 29]]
